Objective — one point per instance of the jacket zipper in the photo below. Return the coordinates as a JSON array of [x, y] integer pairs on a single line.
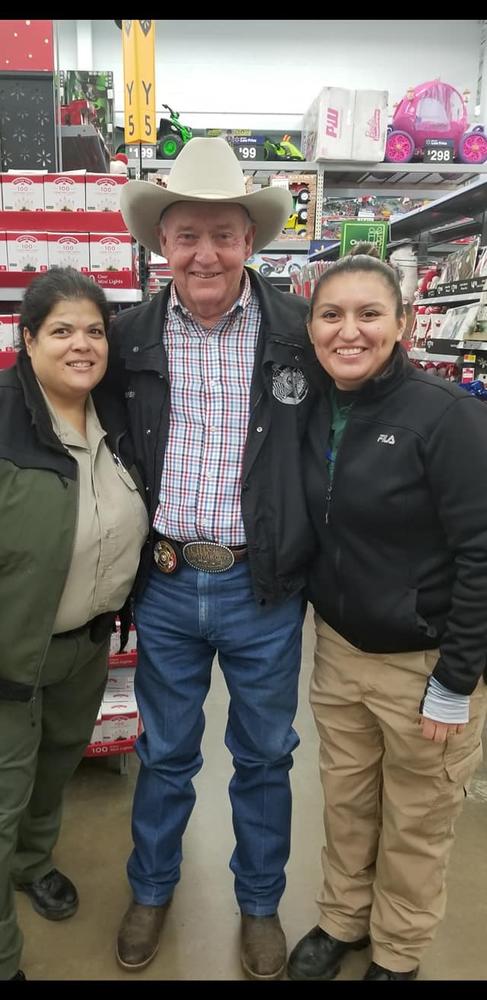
[[328, 502]]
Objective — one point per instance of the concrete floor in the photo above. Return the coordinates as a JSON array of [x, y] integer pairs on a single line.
[[200, 939]]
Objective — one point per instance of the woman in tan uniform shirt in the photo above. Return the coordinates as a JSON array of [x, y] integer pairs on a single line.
[[72, 524]]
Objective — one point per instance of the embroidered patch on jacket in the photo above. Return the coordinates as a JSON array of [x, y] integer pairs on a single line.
[[289, 385]]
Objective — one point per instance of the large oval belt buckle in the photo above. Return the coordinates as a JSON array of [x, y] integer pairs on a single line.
[[208, 556], [165, 556]]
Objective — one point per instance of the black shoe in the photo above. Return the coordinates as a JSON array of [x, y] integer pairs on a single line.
[[54, 896], [318, 954], [18, 975], [375, 971]]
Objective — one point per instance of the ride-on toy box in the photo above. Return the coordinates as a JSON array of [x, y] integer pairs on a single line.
[[431, 123]]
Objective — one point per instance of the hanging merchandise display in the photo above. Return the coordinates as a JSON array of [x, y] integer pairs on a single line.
[[139, 81], [87, 98]]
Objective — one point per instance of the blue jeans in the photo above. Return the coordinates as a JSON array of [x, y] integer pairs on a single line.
[[182, 620]]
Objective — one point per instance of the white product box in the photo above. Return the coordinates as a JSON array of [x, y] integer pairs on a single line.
[[437, 321], [15, 329], [6, 332], [120, 719], [3, 252], [110, 252], [97, 734], [27, 251], [103, 192], [69, 250], [23, 192], [369, 125], [120, 679], [131, 642], [64, 192], [328, 125]]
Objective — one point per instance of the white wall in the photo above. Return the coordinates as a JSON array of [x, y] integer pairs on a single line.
[[264, 74]]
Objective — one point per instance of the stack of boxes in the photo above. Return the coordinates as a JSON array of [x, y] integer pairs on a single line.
[[35, 250], [118, 718], [8, 335], [346, 125]]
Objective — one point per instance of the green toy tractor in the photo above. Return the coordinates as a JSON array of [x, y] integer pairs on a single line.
[[283, 150], [171, 135]]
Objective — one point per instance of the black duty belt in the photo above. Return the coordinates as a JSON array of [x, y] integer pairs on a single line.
[[210, 557]]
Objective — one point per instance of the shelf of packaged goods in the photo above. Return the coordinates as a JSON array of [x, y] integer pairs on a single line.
[[421, 354], [441, 300], [106, 748], [356, 173], [454, 348], [62, 222], [115, 284]]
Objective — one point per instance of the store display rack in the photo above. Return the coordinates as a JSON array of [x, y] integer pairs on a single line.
[[13, 284]]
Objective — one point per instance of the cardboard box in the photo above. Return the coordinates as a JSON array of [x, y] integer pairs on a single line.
[[6, 332], [115, 642], [121, 680], [120, 719], [103, 192], [64, 192], [23, 192], [110, 252], [328, 125], [27, 251], [97, 734], [370, 125], [3, 252], [69, 250], [15, 330]]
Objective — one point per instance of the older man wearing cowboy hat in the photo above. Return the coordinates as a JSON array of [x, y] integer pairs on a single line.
[[217, 375]]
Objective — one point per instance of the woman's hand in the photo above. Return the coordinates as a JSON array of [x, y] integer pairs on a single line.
[[438, 731]]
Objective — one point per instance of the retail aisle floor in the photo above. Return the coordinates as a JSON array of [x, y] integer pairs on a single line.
[[200, 940]]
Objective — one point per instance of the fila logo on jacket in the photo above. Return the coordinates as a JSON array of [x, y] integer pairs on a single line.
[[386, 439]]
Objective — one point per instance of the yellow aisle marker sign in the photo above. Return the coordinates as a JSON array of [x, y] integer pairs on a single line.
[[139, 81]]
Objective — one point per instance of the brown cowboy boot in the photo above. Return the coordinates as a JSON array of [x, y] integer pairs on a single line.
[[138, 937], [263, 947]]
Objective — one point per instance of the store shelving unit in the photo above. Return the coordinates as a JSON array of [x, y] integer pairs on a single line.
[[122, 747], [349, 179], [13, 284]]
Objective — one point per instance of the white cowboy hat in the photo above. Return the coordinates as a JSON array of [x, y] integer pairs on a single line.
[[205, 170]]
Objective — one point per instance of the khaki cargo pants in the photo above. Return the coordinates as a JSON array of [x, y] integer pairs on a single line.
[[391, 797]]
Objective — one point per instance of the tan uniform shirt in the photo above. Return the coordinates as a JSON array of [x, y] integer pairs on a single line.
[[111, 528]]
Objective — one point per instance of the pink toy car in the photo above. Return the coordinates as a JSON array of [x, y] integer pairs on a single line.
[[434, 110]]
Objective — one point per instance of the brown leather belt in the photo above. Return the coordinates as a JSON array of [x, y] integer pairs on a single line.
[[208, 557]]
